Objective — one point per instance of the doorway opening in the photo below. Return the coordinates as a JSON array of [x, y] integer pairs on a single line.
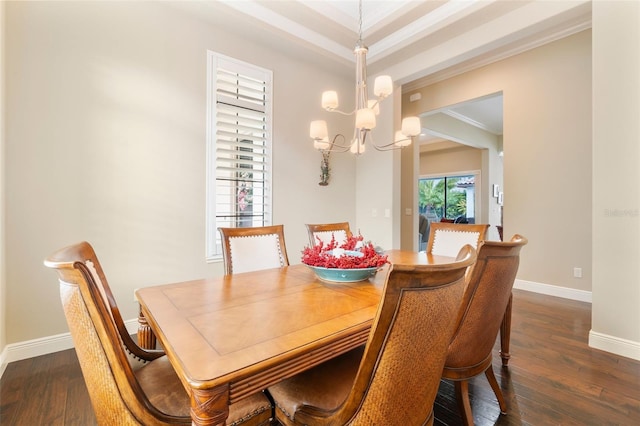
[[459, 164]]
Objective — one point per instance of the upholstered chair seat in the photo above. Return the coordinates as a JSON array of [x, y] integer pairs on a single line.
[[332, 382]]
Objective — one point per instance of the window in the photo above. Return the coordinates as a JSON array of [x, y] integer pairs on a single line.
[[451, 197], [238, 147]]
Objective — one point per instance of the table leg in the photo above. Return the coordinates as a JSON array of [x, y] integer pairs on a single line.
[[210, 407], [505, 333], [146, 338]]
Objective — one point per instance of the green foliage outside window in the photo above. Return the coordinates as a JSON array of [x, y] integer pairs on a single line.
[[443, 196]]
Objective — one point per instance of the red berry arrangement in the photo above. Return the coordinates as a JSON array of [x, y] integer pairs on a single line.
[[321, 255]]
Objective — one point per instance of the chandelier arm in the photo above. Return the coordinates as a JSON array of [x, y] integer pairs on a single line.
[[335, 146], [342, 112], [333, 142], [338, 150], [389, 146]]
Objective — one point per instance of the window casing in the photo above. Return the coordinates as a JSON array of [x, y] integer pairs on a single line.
[[239, 116]]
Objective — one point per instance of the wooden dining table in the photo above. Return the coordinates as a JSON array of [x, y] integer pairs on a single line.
[[231, 336]]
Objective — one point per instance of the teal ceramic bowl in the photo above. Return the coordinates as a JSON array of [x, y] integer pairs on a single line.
[[336, 275]]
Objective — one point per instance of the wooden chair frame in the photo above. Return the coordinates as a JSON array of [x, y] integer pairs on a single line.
[[413, 295], [76, 278], [121, 386], [481, 316]]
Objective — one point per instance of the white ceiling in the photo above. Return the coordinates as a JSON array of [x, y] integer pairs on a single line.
[[417, 42], [395, 30]]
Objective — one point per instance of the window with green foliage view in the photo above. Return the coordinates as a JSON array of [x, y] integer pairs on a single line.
[[450, 197]]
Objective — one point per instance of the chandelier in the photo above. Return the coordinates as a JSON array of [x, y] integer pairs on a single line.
[[365, 111]]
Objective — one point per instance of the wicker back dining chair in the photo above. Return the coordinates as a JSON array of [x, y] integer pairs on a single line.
[[394, 379], [254, 248], [445, 239], [325, 231], [127, 385], [481, 314]]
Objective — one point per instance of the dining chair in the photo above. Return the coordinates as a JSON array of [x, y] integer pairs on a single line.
[[127, 385], [254, 248], [486, 297], [445, 239], [325, 231], [394, 378]]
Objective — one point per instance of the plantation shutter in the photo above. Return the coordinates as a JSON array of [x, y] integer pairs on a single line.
[[241, 149]]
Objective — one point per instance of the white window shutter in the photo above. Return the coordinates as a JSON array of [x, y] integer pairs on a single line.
[[239, 106]]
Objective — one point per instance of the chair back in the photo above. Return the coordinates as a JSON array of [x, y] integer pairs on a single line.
[[400, 371], [484, 302], [108, 356], [325, 231], [253, 249], [446, 239]]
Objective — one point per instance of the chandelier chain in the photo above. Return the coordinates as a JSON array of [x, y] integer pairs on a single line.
[[360, 21]]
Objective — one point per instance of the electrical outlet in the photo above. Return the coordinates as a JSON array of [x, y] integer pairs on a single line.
[[577, 272]]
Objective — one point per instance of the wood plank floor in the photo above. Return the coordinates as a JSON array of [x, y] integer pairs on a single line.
[[553, 378]]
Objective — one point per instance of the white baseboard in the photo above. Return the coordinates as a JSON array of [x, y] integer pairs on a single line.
[[554, 290], [615, 345], [3, 361], [45, 345], [37, 347], [604, 342]]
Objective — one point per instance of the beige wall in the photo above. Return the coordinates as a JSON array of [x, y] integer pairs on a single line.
[[547, 152], [616, 173], [106, 143], [462, 158], [377, 181]]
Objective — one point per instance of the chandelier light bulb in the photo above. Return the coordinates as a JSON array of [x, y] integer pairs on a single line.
[[383, 86], [365, 119], [318, 130], [411, 126], [330, 99]]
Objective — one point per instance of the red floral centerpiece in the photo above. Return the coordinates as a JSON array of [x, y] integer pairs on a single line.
[[354, 260]]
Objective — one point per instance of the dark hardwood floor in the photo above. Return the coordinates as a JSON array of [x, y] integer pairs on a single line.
[[553, 378]]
